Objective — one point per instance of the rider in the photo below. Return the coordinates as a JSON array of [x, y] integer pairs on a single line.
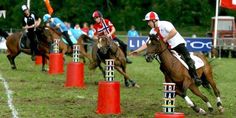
[[30, 23], [58, 24], [167, 32], [105, 27]]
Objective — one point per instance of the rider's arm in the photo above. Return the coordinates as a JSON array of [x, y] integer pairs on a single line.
[[37, 22], [140, 49], [113, 29]]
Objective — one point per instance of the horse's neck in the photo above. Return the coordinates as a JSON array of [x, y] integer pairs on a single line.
[[166, 57]]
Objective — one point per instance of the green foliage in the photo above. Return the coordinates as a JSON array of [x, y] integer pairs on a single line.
[[123, 13]]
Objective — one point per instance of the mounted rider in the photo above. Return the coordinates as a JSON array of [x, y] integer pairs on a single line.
[[105, 27], [167, 32], [30, 23], [56, 23]]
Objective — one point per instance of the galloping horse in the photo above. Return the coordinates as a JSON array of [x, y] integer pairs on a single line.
[[17, 44], [82, 42], [175, 72], [105, 48]]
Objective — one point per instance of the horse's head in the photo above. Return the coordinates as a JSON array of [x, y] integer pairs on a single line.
[[154, 48], [44, 35], [104, 44]]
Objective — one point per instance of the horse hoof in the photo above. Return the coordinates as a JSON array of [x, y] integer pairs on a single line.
[[221, 109], [202, 111], [14, 68], [210, 109], [136, 85]]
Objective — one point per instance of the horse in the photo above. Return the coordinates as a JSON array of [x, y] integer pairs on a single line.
[[65, 49], [175, 72], [18, 42], [104, 48]]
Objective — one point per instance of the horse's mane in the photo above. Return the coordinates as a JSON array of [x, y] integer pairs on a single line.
[[54, 30]]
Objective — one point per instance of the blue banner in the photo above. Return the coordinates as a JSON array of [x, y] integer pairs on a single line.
[[193, 44]]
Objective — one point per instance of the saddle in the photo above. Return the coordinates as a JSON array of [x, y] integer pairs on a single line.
[[197, 61], [24, 41]]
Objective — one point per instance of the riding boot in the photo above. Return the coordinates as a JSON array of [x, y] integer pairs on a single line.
[[33, 51], [193, 73], [125, 53]]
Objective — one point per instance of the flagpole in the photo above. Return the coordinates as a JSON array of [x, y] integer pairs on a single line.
[[216, 23], [28, 4]]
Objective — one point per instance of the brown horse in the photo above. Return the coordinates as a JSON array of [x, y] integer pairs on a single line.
[[83, 41], [18, 42], [105, 48], [175, 72]]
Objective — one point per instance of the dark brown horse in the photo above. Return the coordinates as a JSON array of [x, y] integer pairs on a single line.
[[18, 42], [83, 41], [105, 48], [175, 72]]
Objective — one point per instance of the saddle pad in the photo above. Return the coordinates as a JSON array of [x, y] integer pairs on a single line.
[[74, 41], [198, 62]]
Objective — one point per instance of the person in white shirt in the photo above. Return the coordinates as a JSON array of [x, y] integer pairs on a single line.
[[167, 32]]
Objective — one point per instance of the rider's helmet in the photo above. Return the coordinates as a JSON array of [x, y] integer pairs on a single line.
[[46, 17], [97, 14], [151, 16], [24, 7]]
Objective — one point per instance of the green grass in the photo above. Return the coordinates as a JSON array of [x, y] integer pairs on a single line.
[[40, 95]]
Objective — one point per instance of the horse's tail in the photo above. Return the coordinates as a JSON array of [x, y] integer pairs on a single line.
[[3, 34]]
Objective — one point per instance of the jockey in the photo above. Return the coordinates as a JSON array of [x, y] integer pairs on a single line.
[[167, 32], [58, 24], [105, 27], [30, 23]]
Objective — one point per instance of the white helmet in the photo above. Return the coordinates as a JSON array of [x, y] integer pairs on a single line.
[[24, 7], [151, 16]]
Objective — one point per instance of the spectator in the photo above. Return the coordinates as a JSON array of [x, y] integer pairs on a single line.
[[85, 27], [132, 32], [77, 26]]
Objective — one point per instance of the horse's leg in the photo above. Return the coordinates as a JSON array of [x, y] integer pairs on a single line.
[[126, 77], [209, 77], [13, 66], [195, 90], [11, 57]]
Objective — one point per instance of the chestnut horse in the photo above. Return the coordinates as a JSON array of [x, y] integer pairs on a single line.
[[83, 41], [18, 42], [105, 48], [175, 72]]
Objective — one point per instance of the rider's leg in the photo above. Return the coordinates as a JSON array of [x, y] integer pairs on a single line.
[[66, 35], [123, 47], [33, 45], [181, 49]]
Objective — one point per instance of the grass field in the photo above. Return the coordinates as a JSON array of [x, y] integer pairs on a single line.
[[40, 95]]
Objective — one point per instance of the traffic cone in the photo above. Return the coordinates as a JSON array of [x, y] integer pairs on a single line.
[[174, 115], [38, 60], [75, 75], [56, 63], [108, 97]]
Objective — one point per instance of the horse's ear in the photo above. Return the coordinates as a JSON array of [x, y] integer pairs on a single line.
[[152, 36]]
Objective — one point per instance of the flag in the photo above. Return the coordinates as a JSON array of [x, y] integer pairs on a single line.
[[48, 6], [229, 4]]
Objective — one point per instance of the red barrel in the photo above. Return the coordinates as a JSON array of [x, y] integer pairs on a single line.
[[56, 63], [75, 75], [108, 97], [38, 60], [174, 115]]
